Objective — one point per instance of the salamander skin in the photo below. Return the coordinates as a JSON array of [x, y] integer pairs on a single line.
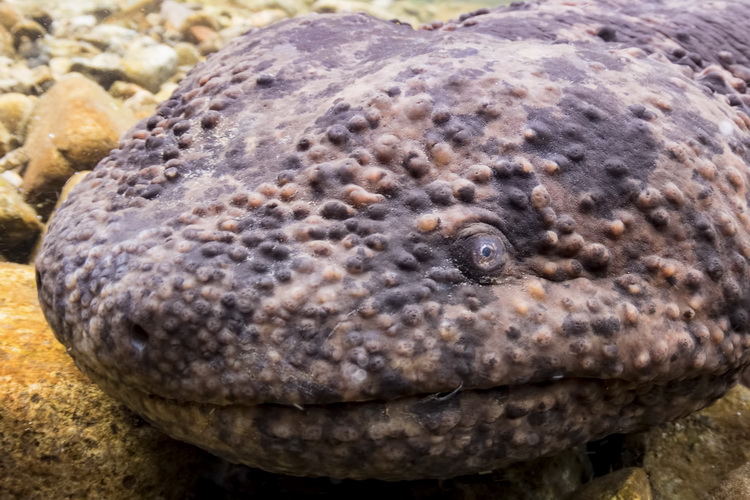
[[346, 247]]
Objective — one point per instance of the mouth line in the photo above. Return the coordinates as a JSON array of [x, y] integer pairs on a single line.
[[433, 399], [578, 387]]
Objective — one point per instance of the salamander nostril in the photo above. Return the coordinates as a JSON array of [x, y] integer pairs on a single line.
[[138, 337]]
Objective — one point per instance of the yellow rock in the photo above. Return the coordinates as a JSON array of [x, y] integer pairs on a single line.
[[60, 436], [687, 459], [625, 484], [735, 486]]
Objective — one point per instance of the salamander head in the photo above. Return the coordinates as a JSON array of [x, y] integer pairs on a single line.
[[411, 254]]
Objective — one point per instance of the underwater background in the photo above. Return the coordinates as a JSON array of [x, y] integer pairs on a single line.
[[74, 76]]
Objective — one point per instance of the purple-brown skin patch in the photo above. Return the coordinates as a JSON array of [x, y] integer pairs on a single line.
[[345, 247]]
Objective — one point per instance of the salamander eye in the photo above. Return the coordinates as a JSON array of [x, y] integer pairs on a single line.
[[487, 252], [480, 253]]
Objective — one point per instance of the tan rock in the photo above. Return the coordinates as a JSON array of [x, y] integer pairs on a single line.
[[625, 484], [166, 91], [16, 159], [427, 12], [19, 225], [104, 68], [74, 126], [149, 65], [11, 176], [26, 29], [124, 90], [41, 78], [174, 15], [211, 44], [187, 54], [73, 181], [6, 42], [9, 15], [734, 486], [201, 18], [330, 6], [686, 459], [7, 144], [266, 17], [199, 34], [15, 110], [62, 8], [16, 76], [291, 7], [142, 103], [61, 436]]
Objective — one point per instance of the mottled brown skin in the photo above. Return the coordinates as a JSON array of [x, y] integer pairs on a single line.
[[348, 248]]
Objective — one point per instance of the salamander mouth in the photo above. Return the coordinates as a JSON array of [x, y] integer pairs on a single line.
[[427, 435]]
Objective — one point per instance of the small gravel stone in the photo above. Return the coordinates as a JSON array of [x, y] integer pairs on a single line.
[[175, 14], [15, 110], [6, 140], [103, 68], [187, 54], [18, 77], [150, 66], [9, 15], [6, 42], [109, 37], [12, 162], [142, 103], [26, 29], [199, 34]]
